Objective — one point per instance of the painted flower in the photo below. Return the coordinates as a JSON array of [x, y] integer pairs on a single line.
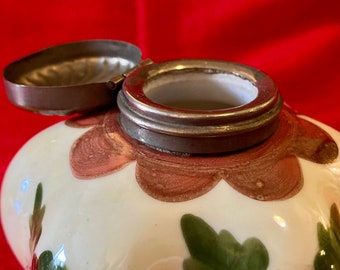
[[268, 171]]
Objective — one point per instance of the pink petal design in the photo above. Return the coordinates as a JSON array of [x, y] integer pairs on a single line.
[[312, 143], [269, 171], [261, 177], [277, 180], [171, 178], [94, 154]]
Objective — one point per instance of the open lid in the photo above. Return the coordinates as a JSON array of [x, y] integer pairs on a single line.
[[71, 78]]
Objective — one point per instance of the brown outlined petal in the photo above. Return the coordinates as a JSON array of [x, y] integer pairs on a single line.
[[94, 154], [171, 178], [277, 180], [269, 171], [313, 144]]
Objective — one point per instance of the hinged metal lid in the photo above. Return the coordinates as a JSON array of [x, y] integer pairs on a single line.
[[70, 78]]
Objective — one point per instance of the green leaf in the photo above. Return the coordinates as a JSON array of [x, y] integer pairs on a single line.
[[323, 237], [335, 224], [258, 257], [38, 199], [193, 264], [38, 210], [44, 260], [202, 248], [232, 248], [328, 256], [35, 220], [212, 251]]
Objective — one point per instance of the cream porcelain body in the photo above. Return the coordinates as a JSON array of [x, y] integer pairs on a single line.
[[110, 223]]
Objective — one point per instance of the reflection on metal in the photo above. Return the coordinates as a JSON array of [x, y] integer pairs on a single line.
[[69, 78]]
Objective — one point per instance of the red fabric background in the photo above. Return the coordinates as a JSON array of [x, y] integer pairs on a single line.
[[296, 42]]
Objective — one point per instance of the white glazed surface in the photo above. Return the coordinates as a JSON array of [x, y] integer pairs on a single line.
[[110, 223]]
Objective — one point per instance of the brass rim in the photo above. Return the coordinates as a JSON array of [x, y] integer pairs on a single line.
[[196, 131]]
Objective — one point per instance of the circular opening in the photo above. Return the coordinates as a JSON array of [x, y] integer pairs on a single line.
[[199, 106], [200, 91]]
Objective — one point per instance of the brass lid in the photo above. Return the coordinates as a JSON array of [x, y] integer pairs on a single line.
[[76, 77]]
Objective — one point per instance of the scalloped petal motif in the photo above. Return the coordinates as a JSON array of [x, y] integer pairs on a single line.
[[268, 171]]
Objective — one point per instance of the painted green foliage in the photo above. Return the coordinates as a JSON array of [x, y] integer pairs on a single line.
[[328, 256], [46, 260], [209, 250], [35, 221], [212, 251]]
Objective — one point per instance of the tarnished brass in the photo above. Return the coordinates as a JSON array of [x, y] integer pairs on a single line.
[[70, 78], [199, 106]]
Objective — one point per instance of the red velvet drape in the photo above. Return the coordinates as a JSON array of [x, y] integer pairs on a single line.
[[296, 42]]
